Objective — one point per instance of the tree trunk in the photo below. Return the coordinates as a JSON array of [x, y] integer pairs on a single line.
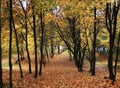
[[35, 41], [80, 62], [1, 81], [10, 43], [58, 49], [27, 50], [79, 50], [52, 49], [70, 55], [76, 42], [117, 54], [26, 35], [90, 66], [83, 55], [42, 43], [75, 57], [110, 59], [94, 43], [111, 23], [18, 53]]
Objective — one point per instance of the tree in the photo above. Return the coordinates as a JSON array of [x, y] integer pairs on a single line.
[[42, 37], [94, 43], [1, 81], [76, 42], [42, 42], [26, 34], [111, 24], [35, 42], [88, 42], [10, 42], [43, 8], [18, 51], [51, 44]]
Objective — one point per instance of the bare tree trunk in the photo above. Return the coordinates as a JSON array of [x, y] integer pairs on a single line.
[[18, 53], [117, 53], [58, 49], [94, 44], [35, 41], [52, 49], [27, 50], [110, 59], [70, 55], [10, 43], [42, 43]]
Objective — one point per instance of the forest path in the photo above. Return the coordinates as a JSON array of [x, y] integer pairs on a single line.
[[60, 63], [62, 73]]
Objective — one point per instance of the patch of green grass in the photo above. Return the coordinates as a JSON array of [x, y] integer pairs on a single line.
[[5, 65]]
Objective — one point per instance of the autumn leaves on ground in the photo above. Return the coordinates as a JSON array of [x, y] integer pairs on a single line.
[[60, 72]]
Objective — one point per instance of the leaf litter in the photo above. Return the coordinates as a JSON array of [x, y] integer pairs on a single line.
[[62, 73]]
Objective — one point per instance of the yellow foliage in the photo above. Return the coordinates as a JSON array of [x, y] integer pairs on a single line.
[[48, 17]]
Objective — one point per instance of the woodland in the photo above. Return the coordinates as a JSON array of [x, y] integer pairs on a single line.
[[59, 44]]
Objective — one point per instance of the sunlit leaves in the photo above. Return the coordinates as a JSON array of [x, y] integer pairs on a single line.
[[44, 5], [48, 17]]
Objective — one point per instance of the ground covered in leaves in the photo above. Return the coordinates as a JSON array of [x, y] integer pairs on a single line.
[[62, 73]]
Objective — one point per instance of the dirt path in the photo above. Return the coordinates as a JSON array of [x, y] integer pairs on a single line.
[[61, 73]]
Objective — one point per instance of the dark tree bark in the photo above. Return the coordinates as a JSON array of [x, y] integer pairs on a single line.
[[58, 49], [42, 43], [52, 47], [82, 56], [10, 43], [117, 54], [18, 53], [80, 59], [94, 44], [27, 50], [1, 81], [111, 23], [35, 40], [70, 55]]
